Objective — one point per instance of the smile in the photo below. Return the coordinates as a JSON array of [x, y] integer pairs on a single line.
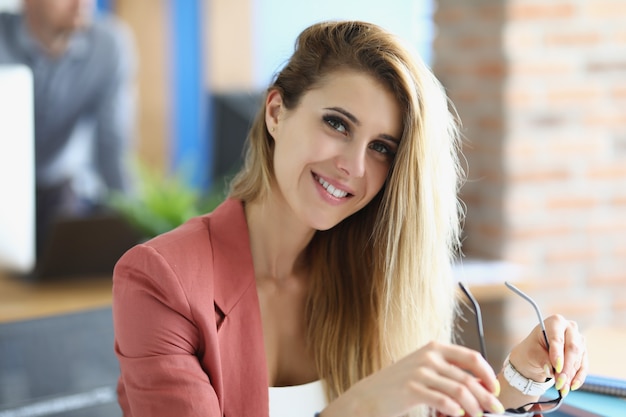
[[335, 192]]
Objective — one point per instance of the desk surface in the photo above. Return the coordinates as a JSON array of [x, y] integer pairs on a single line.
[[23, 300]]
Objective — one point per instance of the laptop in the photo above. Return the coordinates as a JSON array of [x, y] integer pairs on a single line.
[[84, 246], [17, 169]]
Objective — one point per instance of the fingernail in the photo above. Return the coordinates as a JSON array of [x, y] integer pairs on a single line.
[[560, 382], [565, 391], [497, 388], [497, 408], [576, 384], [547, 369], [461, 413], [559, 364]]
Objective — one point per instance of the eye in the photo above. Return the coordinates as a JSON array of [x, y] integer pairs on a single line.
[[383, 148], [337, 123]]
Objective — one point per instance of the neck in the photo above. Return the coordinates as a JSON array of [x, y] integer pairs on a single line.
[[277, 239], [53, 41]]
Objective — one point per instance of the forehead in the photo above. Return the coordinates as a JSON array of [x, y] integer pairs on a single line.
[[55, 6], [368, 99]]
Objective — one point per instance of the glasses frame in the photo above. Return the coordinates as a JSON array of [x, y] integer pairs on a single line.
[[521, 411]]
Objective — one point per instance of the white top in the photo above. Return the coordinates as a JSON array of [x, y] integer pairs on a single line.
[[298, 400]]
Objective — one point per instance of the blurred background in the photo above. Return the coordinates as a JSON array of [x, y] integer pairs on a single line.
[[539, 86]]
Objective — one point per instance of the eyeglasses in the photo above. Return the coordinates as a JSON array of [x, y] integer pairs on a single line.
[[546, 406]]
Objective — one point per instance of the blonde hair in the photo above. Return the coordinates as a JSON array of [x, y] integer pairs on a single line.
[[381, 282]]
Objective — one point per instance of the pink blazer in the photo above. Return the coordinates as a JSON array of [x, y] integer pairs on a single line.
[[188, 333]]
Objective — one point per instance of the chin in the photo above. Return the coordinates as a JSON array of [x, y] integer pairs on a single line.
[[324, 224], [81, 22]]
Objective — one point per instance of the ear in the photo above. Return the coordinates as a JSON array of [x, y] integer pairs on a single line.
[[273, 110]]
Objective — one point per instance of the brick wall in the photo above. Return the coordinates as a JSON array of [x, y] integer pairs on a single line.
[[541, 89]]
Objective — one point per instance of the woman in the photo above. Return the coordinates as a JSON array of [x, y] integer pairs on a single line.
[[330, 261]]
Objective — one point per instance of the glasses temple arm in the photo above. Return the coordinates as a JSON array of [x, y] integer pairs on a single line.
[[535, 306], [479, 319]]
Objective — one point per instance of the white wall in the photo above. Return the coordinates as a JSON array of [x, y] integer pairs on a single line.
[[11, 5]]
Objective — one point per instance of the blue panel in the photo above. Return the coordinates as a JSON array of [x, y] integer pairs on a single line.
[[105, 5], [191, 150]]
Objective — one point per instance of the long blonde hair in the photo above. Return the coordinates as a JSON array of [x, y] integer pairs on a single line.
[[381, 282]]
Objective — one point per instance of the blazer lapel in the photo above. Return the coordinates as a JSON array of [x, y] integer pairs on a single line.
[[242, 350]]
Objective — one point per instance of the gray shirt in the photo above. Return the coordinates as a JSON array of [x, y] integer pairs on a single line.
[[84, 104]]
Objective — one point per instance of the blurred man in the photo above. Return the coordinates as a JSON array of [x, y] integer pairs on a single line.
[[83, 67]]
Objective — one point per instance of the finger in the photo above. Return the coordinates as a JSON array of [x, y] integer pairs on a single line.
[[556, 327], [471, 361], [573, 351], [446, 395], [579, 378], [467, 390]]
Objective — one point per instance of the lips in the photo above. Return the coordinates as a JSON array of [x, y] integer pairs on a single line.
[[331, 189]]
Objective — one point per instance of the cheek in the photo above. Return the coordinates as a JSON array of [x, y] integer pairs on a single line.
[[377, 174], [303, 147]]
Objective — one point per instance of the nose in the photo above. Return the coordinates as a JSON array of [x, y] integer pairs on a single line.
[[351, 160]]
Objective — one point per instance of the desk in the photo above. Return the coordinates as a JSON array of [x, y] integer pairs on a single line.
[[23, 300], [605, 346]]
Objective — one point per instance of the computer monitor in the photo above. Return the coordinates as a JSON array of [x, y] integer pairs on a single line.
[[17, 170]]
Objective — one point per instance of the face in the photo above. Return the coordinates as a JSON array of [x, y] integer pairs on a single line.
[[61, 15], [334, 150]]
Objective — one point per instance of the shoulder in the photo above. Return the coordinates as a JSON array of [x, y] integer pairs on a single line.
[[112, 35], [110, 28], [204, 232], [9, 23], [188, 253], [9, 20]]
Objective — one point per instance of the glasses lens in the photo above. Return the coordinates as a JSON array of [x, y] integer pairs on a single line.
[[530, 409], [533, 409]]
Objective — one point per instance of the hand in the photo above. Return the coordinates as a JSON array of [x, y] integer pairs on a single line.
[[451, 379], [567, 355]]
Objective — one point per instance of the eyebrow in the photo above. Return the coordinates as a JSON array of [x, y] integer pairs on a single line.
[[346, 113], [356, 121]]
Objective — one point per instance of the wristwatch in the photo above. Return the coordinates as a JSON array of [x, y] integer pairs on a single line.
[[523, 384]]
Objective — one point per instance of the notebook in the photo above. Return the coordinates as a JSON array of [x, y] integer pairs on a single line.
[[605, 385]]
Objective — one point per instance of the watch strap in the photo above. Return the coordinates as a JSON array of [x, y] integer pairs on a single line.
[[521, 383]]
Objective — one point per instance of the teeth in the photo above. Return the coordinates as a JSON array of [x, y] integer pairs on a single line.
[[331, 189]]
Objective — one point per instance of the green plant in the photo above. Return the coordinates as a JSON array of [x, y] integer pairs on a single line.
[[163, 202]]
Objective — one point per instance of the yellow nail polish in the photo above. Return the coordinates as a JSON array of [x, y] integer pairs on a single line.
[[565, 391], [497, 408], [560, 382], [497, 389], [547, 369], [559, 364], [461, 413], [575, 385]]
